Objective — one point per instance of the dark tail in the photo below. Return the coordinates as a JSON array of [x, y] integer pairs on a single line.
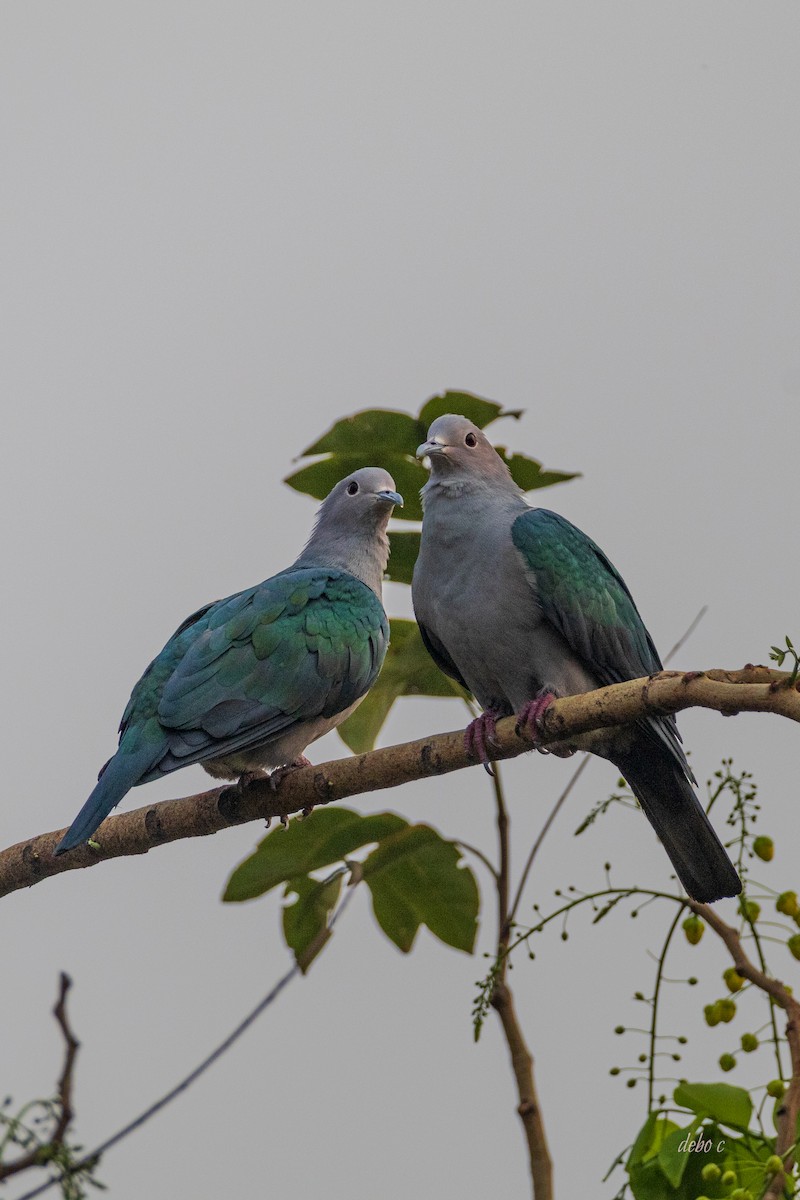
[[672, 808], [119, 775]]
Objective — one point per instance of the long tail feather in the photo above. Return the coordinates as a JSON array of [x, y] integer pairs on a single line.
[[119, 775], [672, 808]]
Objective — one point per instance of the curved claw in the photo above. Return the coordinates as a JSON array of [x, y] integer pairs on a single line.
[[280, 773], [480, 736], [530, 718]]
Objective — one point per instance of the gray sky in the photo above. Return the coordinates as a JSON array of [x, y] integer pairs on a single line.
[[224, 226]]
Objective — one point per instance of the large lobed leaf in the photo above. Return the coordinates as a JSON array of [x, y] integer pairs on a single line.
[[415, 880], [415, 877], [305, 846], [389, 439]]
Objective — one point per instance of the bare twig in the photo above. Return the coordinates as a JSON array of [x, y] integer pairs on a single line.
[[753, 689], [523, 879], [36, 1157], [790, 1105], [89, 1159], [683, 639]]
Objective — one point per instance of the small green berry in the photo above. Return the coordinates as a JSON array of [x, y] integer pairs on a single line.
[[728, 1178], [733, 979], [727, 1009], [712, 1014], [776, 1088], [630, 1083], [749, 909], [694, 929], [749, 1042], [619, 1029], [710, 1173], [787, 904], [794, 945], [727, 1062], [773, 1164], [614, 1071], [764, 848]]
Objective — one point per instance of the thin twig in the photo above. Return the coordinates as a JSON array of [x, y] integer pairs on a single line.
[[683, 639], [64, 1094], [523, 879], [478, 854], [90, 1159]]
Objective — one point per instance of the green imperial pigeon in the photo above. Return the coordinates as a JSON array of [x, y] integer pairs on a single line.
[[520, 606], [247, 683]]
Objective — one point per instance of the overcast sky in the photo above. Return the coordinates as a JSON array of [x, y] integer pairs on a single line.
[[226, 225]]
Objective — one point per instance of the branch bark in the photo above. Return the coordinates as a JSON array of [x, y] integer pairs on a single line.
[[753, 689]]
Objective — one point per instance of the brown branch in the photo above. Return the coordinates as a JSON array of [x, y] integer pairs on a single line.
[[754, 689], [790, 1106], [502, 1001], [39, 1156]]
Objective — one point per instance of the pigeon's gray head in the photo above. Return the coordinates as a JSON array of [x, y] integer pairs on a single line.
[[350, 533], [363, 500], [460, 454]]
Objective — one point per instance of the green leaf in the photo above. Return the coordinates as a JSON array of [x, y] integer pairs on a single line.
[[481, 412], [409, 476], [415, 880], [647, 1180], [673, 1162], [721, 1101], [305, 923], [408, 670], [372, 430], [650, 1138], [327, 836], [404, 546], [527, 473]]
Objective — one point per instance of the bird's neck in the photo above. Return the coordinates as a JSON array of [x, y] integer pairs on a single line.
[[365, 559], [473, 498]]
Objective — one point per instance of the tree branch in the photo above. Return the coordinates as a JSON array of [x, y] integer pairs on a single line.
[[753, 689], [37, 1156], [790, 1105], [502, 1002]]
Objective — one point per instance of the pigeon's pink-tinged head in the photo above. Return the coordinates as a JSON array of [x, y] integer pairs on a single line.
[[458, 449]]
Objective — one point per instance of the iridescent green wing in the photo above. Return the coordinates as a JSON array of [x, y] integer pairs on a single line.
[[304, 644], [583, 595]]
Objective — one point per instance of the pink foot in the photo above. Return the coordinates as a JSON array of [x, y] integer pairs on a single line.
[[479, 736], [530, 718], [280, 773]]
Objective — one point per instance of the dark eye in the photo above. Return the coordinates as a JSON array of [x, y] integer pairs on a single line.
[[470, 440], [352, 488]]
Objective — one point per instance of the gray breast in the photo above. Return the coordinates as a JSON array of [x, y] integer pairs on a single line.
[[474, 596]]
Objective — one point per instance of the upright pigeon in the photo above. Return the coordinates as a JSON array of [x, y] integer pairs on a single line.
[[248, 682], [519, 606]]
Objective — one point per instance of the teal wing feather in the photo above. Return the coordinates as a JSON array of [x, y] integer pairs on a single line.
[[584, 596], [304, 644]]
